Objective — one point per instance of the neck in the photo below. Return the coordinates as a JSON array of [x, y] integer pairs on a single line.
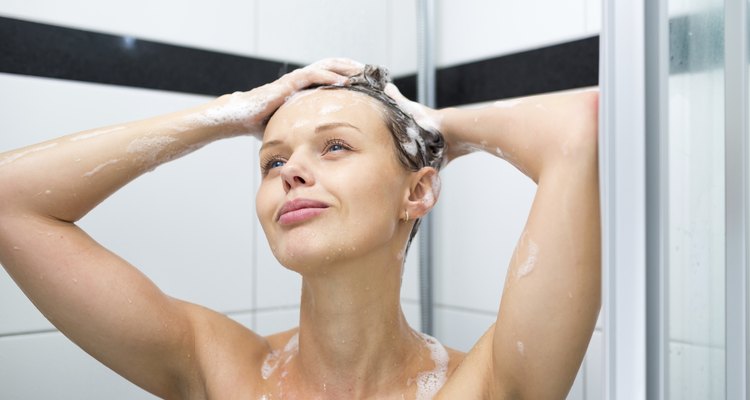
[[353, 336]]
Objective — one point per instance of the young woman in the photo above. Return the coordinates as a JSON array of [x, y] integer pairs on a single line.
[[348, 168]]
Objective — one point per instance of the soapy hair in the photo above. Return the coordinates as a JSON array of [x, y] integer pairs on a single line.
[[416, 147]]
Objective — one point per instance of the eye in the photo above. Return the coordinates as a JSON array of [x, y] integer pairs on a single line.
[[335, 145], [275, 164], [272, 162]]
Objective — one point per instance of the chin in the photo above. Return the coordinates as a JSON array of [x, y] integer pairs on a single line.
[[306, 251]]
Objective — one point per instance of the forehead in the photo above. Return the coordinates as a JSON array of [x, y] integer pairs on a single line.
[[310, 108]]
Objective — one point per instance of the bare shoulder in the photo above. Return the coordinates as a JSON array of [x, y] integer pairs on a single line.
[[225, 354], [470, 373]]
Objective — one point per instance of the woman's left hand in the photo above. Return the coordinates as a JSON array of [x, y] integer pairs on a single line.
[[431, 120]]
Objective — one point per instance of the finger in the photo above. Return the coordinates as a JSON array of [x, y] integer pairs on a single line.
[[307, 78], [343, 66], [392, 91]]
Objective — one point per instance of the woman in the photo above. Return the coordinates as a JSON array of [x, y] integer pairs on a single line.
[[347, 173]]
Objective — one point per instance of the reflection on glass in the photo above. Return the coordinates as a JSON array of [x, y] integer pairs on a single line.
[[696, 306]]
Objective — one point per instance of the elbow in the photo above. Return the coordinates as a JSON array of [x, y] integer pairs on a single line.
[[582, 138]]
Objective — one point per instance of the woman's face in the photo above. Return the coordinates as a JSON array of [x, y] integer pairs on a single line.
[[332, 188]]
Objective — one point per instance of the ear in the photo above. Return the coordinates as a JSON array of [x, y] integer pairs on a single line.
[[423, 193]]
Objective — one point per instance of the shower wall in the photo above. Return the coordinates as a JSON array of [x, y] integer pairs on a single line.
[[196, 235]]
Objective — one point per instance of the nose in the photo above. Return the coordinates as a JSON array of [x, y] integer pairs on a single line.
[[294, 175]]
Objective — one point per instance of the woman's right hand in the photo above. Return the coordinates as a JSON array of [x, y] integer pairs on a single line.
[[247, 112]]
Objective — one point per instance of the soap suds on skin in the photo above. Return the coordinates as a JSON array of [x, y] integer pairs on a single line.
[[100, 167], [13, 157], [520, 348], [149, 147], [330, 108], [300, 123], [528, 266], [430, 382], [237, 111], [95, 133], [506, 103], [273, 359]]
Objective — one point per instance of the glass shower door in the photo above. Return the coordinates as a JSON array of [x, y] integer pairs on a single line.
[[695, 245]]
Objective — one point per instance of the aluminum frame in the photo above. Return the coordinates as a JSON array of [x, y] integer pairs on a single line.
[[657, 199], [623, 197], [736, 196]]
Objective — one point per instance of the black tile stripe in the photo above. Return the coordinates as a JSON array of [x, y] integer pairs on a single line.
[[30, 48], [564, 66]]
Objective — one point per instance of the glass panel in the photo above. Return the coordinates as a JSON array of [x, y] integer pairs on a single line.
[[696, 306]]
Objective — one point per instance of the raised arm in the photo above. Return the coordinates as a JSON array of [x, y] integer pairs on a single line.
[[97, 299], [552, 295]]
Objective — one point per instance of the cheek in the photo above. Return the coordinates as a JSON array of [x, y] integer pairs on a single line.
[[373, 198], [265, 203]]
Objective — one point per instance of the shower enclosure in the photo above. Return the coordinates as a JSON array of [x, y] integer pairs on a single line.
[[674, 170]]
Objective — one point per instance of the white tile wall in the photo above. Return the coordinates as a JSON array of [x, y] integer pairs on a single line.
[[402, 49], [593, 17], [476, 29], [49, 366], [298, 29], [594, 368], [227, 26], [459, 328], [481, 212], [277, 320]]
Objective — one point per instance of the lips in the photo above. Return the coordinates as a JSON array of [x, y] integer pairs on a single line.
[[299, 210]]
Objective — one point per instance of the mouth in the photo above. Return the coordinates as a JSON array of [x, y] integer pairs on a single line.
[[299, 210]]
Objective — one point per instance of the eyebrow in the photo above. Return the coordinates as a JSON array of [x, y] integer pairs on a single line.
[[320, 128]]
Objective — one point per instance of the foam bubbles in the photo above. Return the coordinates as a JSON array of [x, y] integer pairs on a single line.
[[269, 364], [20, 154], [330, 108], [521, 348], [506, 103], [273, 359], [100, 167], [417, 141], [430, 382], [416, 110], [300, 123], [528, 266], [237, 110], [149, 147], [95, 133]]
